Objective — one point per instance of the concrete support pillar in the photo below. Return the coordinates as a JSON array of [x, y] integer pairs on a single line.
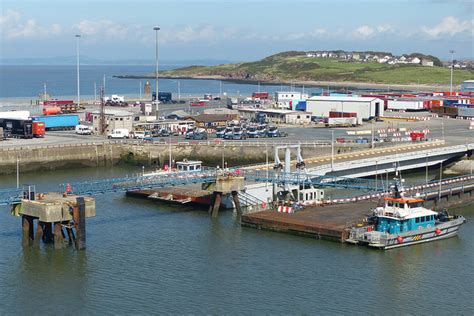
[[217, 203], [28, 229], [235, 197], [287, 159]]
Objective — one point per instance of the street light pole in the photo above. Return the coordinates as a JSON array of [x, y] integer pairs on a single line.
[[77, 64], [332, 150], [452, 67], [156, 29]]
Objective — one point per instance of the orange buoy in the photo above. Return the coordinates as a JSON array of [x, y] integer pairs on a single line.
[[399, 239], [438, 231]]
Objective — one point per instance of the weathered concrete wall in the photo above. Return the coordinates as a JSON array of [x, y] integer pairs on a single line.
[[91, 155]]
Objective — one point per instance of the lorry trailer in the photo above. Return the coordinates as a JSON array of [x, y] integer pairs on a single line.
[[17, 128], [58, 122]]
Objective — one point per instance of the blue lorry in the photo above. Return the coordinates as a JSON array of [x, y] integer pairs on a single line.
[[58, 122]]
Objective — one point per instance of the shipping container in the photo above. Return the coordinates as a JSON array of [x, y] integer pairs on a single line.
[[465, 111], [19, 115], [342, 121], [301, 106], [334, 114], [58, 122], [260, 95], [17, 127], [38, 129], [407, 105], [57, 102]]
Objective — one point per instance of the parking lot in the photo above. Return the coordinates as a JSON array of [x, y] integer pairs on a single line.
[[455, 132]]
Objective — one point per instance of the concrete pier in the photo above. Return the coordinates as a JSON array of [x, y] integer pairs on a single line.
[[67, 213]]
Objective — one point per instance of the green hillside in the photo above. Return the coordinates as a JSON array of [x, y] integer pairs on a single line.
[[296, 66]]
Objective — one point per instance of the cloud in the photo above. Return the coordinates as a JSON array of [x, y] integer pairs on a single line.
[[13, 26], [102, 29], [368, 32], [449, 26], [363, 32]]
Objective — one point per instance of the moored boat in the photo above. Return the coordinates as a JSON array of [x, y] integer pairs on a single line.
[[404, 221]]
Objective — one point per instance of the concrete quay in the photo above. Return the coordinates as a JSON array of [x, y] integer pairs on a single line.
[[92, 154]]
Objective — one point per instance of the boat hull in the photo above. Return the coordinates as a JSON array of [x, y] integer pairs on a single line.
[[387, 241]]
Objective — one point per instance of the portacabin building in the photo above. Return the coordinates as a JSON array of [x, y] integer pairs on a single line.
[[289, 99], [365, 108]]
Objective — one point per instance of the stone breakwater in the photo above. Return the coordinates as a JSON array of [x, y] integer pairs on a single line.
[[33, 158]]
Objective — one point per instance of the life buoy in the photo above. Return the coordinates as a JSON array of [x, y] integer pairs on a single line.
[[68, 188], [399, 239], [263, 205], [438, 231]]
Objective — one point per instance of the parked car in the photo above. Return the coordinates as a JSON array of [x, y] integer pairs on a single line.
[[239, 134], [199, 134], [220, 131], [273, 131]]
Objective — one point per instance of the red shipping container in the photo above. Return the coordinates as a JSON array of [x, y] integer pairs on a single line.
[[334, 114], [58, 102]]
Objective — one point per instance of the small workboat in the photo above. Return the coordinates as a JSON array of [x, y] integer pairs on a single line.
[[404, 221]]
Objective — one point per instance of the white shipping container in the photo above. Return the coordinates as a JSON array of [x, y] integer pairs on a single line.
[[342, 121], [465, 111], [19, 115], [405, 105]]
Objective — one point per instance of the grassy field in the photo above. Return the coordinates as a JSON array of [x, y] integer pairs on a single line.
[[279, 67]]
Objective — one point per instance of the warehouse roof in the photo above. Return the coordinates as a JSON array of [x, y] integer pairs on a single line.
[[115, 112], [345, 99]]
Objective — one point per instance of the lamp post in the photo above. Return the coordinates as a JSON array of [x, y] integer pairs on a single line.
[[452, 67], [77, 65], [332, 150], [156, 29]]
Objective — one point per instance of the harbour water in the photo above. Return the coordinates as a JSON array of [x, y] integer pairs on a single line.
[[143, 257]]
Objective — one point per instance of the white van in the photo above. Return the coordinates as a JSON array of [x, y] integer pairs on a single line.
[[83, 130], [119, 133]]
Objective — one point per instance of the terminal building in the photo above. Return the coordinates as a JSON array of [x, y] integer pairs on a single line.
[[364, 107], [277, 116], [114, 119]]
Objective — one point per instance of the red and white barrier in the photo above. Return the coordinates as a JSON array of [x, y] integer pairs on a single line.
[[285, 209]]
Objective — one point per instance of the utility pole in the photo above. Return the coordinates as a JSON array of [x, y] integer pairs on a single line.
[[17, 172], [156, 29], [170, 162], [440, 181], [77, 65], [102, 127], [452, 68], [332, 150], [373, 145], [140, 91], [179, 91], [44, 92]]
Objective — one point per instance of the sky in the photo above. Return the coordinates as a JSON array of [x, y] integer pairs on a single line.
[[233, 30]]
